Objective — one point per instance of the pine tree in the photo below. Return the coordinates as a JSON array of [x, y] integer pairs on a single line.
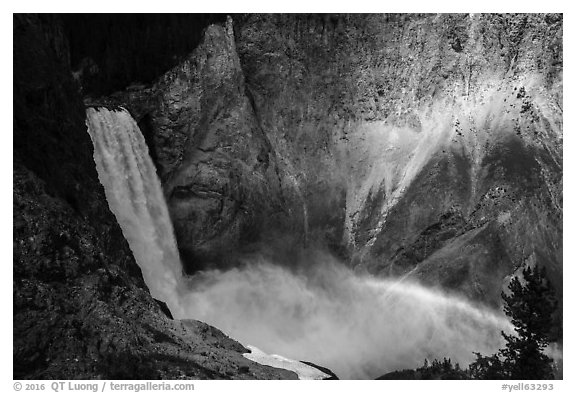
[[530, 306], [487, 367]]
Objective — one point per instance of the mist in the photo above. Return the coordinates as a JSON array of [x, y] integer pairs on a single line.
[[320, 311], [283, 298]]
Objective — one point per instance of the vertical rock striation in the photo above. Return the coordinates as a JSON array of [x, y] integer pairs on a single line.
[[440, 136], [428, 145], [224, 184]]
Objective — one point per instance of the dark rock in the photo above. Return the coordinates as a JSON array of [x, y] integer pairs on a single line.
[[81, 308], [116, 51], [323, 369], [400, 375], [164, 308], [223, 183]]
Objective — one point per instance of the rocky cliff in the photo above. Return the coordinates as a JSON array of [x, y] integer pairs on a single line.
[[224, 183], [81, 308], [428, 145], [439, 137]]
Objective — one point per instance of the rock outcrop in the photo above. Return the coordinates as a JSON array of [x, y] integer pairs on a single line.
[[224, 184], [81, 308]]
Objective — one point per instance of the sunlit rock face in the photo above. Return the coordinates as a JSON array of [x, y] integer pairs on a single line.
[[420, 144], [435, 142]]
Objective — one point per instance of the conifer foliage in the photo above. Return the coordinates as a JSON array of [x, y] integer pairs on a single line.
[[530, 306]]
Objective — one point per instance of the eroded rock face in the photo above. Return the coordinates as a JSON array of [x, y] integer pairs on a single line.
[[442, 132], [80, 313], [81, 308], [222, 180], [420, 144]]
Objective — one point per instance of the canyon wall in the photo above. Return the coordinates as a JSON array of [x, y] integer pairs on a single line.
[[427, 145], [225, 185], [442, 135], [81, 308]]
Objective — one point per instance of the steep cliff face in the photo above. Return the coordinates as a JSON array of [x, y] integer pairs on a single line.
[[440, 136], [420, 144], [224, 183], [81, 308]]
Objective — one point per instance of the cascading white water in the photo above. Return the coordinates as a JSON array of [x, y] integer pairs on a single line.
[[357, 326], [360, 327], [135, 196]]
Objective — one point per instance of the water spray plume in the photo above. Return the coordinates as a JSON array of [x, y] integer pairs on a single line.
[[314, 309], [358, 326]]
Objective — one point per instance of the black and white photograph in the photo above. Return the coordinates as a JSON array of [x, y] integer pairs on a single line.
[[287, 196]]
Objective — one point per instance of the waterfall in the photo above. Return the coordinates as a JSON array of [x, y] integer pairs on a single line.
[[135, 196], [319, 310]]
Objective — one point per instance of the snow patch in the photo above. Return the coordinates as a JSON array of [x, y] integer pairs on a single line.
[[304, 371]]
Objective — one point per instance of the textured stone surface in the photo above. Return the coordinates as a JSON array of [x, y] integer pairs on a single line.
[[81, 308], [421, 144], [223, 183], [427, 145], [402, 138], [443, 133]]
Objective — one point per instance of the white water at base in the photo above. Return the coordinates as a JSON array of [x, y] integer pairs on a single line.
[[318, 311], [357, 326], [304, 371], [135, 196]]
